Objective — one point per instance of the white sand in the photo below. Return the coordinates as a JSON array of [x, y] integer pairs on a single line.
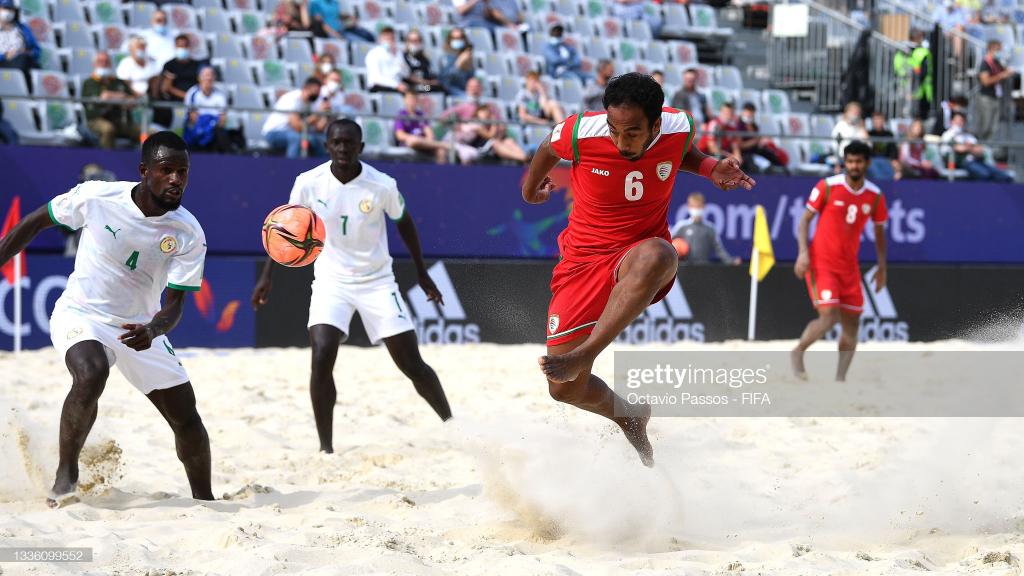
[[517, 485]]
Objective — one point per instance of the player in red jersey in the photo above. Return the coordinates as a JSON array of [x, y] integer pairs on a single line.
[[843, 203], [616, 253]]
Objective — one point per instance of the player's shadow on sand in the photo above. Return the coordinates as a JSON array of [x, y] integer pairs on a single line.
[[119, 500]]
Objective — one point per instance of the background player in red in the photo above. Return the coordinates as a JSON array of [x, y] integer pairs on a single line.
[[843, 203], [616, 255]]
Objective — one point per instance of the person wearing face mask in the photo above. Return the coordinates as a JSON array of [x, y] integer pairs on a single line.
[[385, 68], [421, 78], [331, 105], [324, 66], [561, 59], [178, 76], [701, 237], [457, 67], [108, 121], [284, 127], [139, 70], [18, 46], [850, 127], [159, 39]]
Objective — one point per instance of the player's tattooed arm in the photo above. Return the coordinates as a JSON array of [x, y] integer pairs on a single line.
[[140, 336], [726, 173], [411, 237], [19, 237], [261, 293], [538, 186], [803, 259]]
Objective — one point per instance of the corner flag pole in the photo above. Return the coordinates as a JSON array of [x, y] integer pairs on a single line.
[[754, 275], [17, 303]]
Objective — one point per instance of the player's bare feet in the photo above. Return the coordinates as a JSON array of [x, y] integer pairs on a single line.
[[63, 492], [565, 367], [635, 429], [796, 360]]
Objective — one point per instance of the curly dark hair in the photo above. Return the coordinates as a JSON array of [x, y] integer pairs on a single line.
[[857, 148], [636, 89]]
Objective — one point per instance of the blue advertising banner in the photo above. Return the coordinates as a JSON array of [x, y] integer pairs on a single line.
[[477, 211], [218, 316]]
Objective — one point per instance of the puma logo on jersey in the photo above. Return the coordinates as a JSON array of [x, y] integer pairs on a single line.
[[600, 172], [112, 231], [322, 202]]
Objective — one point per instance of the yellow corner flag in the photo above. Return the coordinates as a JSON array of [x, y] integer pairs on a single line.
[[762, 257]]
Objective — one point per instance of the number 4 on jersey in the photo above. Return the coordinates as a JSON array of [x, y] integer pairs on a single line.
[[133, 260]]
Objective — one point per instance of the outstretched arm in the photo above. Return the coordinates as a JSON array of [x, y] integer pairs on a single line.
[[538, 186], [724, 173], [407, 230], [140, 336], [19, 237]]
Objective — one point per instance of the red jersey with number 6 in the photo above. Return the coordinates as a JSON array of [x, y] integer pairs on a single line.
[[617, 201], [842, 214]]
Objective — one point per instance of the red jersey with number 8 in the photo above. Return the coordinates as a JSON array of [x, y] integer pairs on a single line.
[[842, 215], [616, 201]]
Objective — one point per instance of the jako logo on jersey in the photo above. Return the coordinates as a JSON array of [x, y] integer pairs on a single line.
[[441, 324], [600, 172], [670, 320], [879, 321]]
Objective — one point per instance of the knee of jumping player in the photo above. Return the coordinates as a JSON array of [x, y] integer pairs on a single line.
[[656, 261]]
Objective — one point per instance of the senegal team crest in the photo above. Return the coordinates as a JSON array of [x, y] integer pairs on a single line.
[[664, 170], [168, 244], [365, 206], [553, 323]]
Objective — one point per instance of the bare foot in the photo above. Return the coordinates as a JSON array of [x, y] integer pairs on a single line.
[[563, 368], [62, 493], [635, 429], [796, 359]]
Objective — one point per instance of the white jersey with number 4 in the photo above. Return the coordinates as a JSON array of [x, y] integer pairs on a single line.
[[125, 259], [356, 247]]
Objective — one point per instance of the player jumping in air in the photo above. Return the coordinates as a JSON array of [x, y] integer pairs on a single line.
[[616, 253], [843, 203], [136, 240], [353, 273]]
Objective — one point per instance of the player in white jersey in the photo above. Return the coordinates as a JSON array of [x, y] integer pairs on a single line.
[[136, 240], [353, 273]]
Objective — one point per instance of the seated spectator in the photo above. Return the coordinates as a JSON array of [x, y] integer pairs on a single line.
[[353, 32], [138, 69], [109, 121], [466, 110], [291, 16], [325, 18], [968, 154], [487, 13], [159, 39], [759, 153], [8, 135], [885, 164], [913, 154], [701, 237], [18, 46], [284, 127], [950, 16], [850, 127], [421, 76], [458, 66], [385, 67], [331, 103], [207, 115], [413, 130], [324, 65], [690, 99], [561, 59], [476, 139], [715, 141], [593, 94], [957, 103], [177, 77], [533, 104]]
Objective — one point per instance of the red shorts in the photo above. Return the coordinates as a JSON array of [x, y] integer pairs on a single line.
[[579, 293], [835, 287]]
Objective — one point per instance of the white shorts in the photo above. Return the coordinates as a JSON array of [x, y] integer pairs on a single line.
[[154, 369], [379, 303]]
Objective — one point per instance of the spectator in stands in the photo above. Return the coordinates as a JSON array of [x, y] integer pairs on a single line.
[[324, 65], [850, 127], [659, 77], [291, 16], [968, 154], [690, 99], [458, 66], [885, 164], [475, 139], [957, 103], [18, 46], [8, 135], [950, 16], [207, 115], [325, 18], [593, 94], [913, 153], [385, 68], [159, 39], [701, 237], [474, 98], [991, 75], [331, 103], [488, 13], [109, 121], [715, 140], [533, 104], [561, 59], [284, 128], [759, 153], [138, 69], [352, 31], [177, 77], [421, 76], [413, 130]]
